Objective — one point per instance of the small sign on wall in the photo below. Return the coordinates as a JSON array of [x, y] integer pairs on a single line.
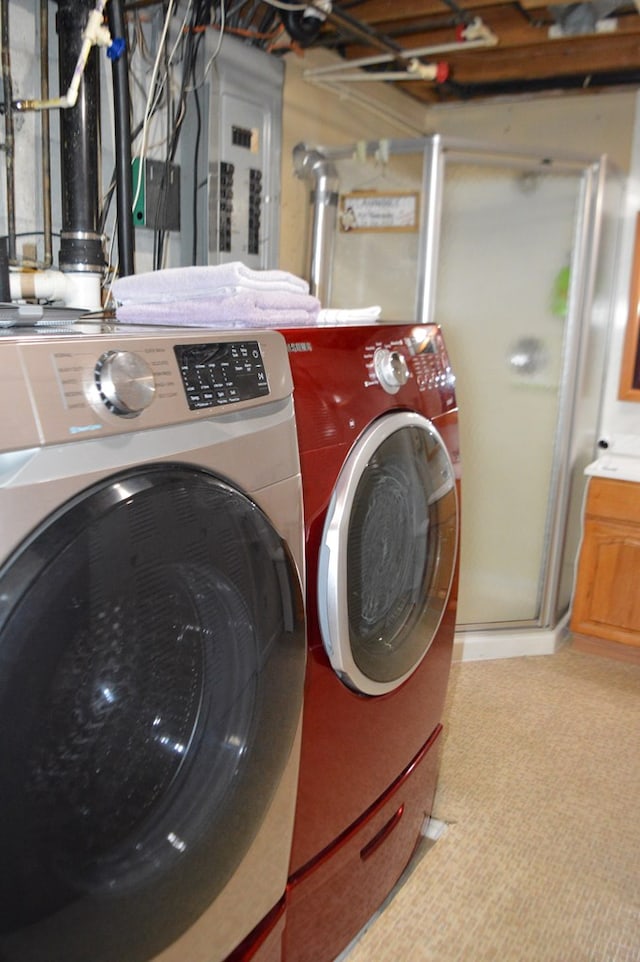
[[379, 211]]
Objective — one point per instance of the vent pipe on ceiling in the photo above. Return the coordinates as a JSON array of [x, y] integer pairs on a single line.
[[311, 165]]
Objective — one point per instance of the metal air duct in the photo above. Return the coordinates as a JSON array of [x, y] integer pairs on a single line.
[[313, 166]]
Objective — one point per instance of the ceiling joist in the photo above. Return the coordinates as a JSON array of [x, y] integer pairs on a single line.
[[526, 46]]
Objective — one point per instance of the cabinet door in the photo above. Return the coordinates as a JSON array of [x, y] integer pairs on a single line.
[[607, 601]]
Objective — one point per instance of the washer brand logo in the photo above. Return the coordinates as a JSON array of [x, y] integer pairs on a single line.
[[299, 346], [83, 428]]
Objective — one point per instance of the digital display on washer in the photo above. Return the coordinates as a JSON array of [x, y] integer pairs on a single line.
[[221, 373]]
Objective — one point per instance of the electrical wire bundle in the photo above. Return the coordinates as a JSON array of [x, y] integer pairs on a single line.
[[163, 43]]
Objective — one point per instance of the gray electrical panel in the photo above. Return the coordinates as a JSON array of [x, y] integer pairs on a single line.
[[231, 155]]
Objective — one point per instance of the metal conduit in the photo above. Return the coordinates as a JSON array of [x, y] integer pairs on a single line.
[[46, 135], [124, 186], [9, 142]]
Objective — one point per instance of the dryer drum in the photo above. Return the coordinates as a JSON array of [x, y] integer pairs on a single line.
[[151, 652], [388, 553]]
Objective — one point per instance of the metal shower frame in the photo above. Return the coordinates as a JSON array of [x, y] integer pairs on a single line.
[[317, 164]]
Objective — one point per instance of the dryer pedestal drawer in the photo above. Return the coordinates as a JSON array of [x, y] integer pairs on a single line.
[[331, 901]]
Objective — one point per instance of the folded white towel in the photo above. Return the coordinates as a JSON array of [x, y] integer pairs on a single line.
[[215, 280], [266, 309], [349, 315]]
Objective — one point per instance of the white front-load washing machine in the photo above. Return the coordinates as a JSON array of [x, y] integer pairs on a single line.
[[152, 649]]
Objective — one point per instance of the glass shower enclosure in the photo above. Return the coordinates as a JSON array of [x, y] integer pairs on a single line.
[[513, 255]]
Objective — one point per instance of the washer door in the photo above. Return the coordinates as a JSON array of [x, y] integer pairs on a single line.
[[388, 553], [151, 671]]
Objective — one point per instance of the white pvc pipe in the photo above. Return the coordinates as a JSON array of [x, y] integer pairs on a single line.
[[488, 40], [94, 34], [80, 289], [427, 72]]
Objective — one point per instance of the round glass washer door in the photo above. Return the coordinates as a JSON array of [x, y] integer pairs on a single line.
[[388, 553], [152, 660]]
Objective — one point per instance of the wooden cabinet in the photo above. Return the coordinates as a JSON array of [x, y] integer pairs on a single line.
[[607, 596]]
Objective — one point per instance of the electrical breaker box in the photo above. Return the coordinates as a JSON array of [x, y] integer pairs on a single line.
[[231, 155]]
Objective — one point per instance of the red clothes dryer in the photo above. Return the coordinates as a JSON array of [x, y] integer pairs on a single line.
[[378, 436]]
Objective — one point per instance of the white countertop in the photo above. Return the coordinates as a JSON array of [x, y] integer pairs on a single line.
[[618, 467]]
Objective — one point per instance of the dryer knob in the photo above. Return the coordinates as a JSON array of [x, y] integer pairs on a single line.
[[125, 382], [391, 369]]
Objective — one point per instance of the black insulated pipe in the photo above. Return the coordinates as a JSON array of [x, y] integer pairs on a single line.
[[80, 242], [122, 108], [594, 81], [5, 285]]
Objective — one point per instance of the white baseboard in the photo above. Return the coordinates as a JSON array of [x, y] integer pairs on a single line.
[[508, 643]]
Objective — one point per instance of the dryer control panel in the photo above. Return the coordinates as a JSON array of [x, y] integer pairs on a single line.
[[347, 375], [417, 354], [391, 369]]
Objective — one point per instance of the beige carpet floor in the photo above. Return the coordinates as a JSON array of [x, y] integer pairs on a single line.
[[540, 792]]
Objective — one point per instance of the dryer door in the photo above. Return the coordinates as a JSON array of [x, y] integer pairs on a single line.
[[151, 671], [388, 553]]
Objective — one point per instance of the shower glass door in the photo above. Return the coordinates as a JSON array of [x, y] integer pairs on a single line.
[[509, 266], [514, 256]]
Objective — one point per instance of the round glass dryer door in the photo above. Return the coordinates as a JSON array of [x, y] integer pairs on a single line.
[[151, 671], [388, 552]]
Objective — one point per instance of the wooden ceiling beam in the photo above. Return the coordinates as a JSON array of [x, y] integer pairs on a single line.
[[580, 56], [382, 11], [386, 16], [525, 58], [511, 30]]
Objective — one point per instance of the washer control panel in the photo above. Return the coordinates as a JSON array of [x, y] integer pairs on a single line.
[[125, 382], [220, 374], [81, 386]]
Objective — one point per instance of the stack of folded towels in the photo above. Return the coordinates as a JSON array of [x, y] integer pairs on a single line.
[[221, 295]]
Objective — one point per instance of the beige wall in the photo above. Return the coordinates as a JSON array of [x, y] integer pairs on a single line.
[[590, 124], [318, 116], [585, 124]]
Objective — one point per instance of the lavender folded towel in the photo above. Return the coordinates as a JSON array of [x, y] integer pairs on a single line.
[[217, 280], [267, 309]]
